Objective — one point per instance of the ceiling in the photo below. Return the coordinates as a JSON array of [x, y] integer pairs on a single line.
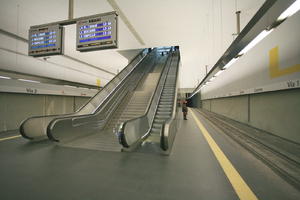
[[202, 28]]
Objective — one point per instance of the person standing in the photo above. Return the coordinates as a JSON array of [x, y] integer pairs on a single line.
[[184, 109]]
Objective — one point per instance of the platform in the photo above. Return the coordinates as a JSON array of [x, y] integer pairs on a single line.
[[47, 171]]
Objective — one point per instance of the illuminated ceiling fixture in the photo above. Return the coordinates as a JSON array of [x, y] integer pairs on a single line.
[[70, 86], [31, 81], [5, 77], [290, 11], [218, 73], [256, 40], [230, 63]]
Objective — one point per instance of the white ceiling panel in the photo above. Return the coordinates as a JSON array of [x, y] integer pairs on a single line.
[[202, 28]]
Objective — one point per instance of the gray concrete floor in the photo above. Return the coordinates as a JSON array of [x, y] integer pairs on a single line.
[[47, 171]]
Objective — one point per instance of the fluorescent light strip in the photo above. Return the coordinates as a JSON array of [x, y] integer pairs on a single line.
[[295, 7], [256, 40], [230, 63], [70, 86], [31, 81], [218, 73], [5, 77]]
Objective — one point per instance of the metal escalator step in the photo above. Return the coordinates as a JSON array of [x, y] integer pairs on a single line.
[[166, 103], [168, 109], [162, 116], [153, 138], [162, 102], [156, 120], [166, 99], [165, 106], [155, 130], [163, 112], [157, 125]]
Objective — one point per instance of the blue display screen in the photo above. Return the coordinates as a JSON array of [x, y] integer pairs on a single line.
[[43, 46], [95, 25], [95, 30], [43, 34], [95, 39], [42, 40], [95, 34], [88, 33]]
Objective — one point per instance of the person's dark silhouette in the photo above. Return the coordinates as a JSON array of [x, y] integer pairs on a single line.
[[184, 109]]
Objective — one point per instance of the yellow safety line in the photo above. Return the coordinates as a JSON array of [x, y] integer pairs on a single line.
[[8, 138], [239, 185]]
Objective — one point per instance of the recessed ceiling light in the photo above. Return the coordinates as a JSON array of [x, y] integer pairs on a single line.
[[5, 77], [26, 80]]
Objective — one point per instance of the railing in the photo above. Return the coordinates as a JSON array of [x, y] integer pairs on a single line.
[[37, 127], [134, 130]]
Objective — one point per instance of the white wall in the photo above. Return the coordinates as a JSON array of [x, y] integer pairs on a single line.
[[251, 71]]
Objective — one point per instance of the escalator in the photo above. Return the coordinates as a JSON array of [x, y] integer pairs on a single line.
[[126, 96], [156, 129], [134, 104]]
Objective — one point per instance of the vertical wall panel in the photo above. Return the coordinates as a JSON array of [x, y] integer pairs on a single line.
[[277, 112], [59, 105], [2, 112], [232, 107], [206, 105], [17, 107]]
